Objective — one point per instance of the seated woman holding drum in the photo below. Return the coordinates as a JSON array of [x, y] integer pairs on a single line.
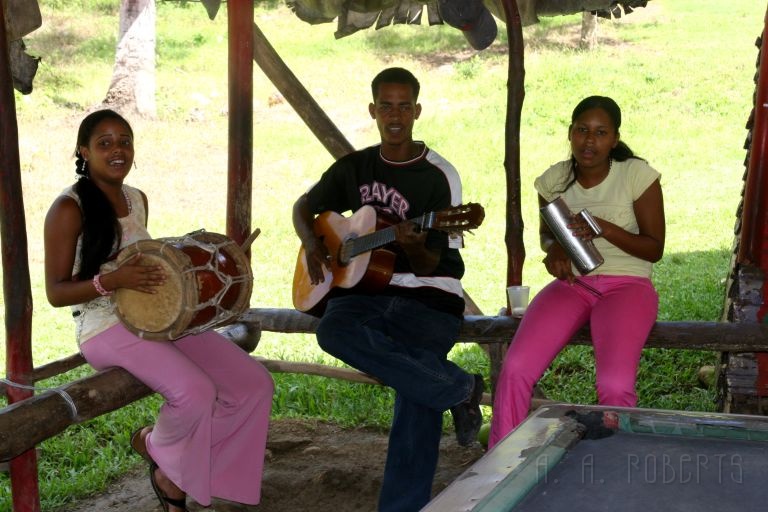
[[210, 435]]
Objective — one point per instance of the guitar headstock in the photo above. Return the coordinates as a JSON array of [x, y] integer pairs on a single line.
[[458, 218]]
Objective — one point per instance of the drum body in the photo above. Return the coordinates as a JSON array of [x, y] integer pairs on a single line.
[[208, 284]]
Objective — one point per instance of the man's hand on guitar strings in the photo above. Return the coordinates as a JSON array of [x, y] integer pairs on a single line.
[[408, 234], [413, 242], [317, 257]]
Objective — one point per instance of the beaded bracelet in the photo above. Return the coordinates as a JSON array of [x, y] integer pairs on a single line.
[[99, 287]]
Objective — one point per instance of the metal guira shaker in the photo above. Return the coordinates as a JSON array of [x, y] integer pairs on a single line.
[[583, 253]]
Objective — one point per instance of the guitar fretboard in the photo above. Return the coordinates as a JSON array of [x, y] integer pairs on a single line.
[[372, 241]]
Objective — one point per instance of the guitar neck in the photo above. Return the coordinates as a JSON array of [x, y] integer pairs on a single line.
[[377, 239]]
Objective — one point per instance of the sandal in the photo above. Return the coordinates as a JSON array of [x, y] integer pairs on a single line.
[[139, 444], [165, 501]]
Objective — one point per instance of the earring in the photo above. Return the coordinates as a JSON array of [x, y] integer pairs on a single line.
[[84, 168]]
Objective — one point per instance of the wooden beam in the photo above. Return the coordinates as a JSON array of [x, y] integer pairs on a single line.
[[715, 336], [513, 236], [29, 422], [298, 97], [26, 424], [484, 330], [245, 335], [49, 413]]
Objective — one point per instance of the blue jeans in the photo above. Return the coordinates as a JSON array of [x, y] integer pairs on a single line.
[[404, 344]]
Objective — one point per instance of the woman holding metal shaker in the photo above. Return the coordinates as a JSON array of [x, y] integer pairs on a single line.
[[603, 279]]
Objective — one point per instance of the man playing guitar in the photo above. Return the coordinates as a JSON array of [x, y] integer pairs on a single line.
[[401, 333]]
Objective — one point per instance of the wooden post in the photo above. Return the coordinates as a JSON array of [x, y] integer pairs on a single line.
[[753, 218], [17, 292], [240, 172], [515, 95], [743, 377], [754, 213], [513, 237]]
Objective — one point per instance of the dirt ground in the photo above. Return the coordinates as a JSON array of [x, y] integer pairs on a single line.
[[310, 466]]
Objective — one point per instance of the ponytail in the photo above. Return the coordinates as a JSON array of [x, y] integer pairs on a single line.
[[100, 228]]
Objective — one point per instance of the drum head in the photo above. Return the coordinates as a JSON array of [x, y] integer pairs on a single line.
[[208, 283], [151, 315]]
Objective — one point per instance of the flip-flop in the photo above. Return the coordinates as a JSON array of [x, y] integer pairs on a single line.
[[165, 501]]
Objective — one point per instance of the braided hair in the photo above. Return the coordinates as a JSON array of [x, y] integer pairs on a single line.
[[621, 152], [100, 225]]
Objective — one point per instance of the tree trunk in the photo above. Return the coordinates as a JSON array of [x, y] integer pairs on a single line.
[[588, 30], [132, 90]]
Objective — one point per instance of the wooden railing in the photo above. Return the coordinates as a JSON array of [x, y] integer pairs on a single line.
[[27, 423]]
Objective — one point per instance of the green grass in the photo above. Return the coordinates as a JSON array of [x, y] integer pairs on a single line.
[[685, 89]]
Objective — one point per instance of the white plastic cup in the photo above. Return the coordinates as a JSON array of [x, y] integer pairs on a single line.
[[518, 299]]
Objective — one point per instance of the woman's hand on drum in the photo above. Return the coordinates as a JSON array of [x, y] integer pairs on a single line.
[[136, 276], [558, 263]]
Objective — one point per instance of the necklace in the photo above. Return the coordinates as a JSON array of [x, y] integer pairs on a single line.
[[421, 149], [127, 201]]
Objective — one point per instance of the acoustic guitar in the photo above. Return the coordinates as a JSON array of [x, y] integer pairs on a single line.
[[357, 259]]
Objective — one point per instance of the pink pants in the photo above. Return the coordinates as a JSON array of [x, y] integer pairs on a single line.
[[619, 321], [211, 432]]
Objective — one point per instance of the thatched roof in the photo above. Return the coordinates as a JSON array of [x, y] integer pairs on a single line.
[[354, 15], [351, 16]]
